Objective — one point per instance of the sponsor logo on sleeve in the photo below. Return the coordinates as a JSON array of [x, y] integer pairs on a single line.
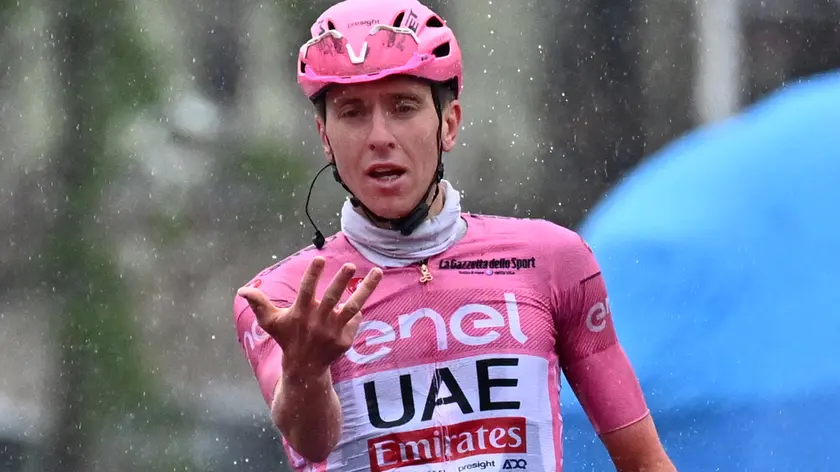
[[252, 336], [596, 317]]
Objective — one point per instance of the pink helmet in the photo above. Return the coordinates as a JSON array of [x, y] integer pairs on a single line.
[[358, 41]]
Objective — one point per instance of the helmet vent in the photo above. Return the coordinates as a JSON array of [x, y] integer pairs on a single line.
[[330, 25], [398, 20], [442, 50], [435, 22]]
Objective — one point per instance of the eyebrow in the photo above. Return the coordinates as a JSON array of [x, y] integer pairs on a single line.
[[407, 96], [342, 101]]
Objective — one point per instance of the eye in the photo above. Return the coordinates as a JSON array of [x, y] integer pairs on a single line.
[[350, 112], [403, 107]]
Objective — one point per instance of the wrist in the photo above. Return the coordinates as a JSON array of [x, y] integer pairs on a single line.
[[304, 372]]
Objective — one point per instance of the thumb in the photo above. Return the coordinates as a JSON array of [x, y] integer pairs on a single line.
[[259, 303]]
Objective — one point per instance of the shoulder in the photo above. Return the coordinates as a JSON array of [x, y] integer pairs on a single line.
[[532, 231], [280, 280], [563, 250]]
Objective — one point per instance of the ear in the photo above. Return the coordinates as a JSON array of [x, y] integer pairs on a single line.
[[451, 118], [322, 132]]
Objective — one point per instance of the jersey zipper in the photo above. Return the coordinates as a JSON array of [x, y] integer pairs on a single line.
[[425, 274]]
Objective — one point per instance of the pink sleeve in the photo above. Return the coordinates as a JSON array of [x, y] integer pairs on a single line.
[[261, 351], [592, 358]]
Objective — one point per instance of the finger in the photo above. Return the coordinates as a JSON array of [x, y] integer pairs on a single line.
[[332, 295], [309, 282], [260, 304], [356, 301], [351, 328]]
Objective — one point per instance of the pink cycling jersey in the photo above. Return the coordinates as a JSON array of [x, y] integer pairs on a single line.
[[461, 370]]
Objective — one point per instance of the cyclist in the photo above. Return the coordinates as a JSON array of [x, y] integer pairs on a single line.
[[446, 353]]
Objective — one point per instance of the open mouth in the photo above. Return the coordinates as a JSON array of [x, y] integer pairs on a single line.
[[386, 174]]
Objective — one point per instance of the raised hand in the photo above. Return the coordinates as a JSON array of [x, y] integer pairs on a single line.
[[314, 333]]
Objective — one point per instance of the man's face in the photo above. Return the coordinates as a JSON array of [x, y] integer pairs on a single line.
[[383, 137]]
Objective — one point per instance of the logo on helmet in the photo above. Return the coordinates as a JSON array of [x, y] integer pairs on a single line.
[[411, 21], [367, 23]]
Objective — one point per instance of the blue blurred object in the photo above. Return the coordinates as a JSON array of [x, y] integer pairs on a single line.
[[722, 258]]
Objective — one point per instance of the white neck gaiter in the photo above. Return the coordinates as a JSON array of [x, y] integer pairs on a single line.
[[389, 248]]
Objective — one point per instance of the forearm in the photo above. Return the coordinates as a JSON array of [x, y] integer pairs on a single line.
[[637, 448], [307, 412]]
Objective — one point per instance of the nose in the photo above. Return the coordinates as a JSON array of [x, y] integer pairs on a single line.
[[381, 137]]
